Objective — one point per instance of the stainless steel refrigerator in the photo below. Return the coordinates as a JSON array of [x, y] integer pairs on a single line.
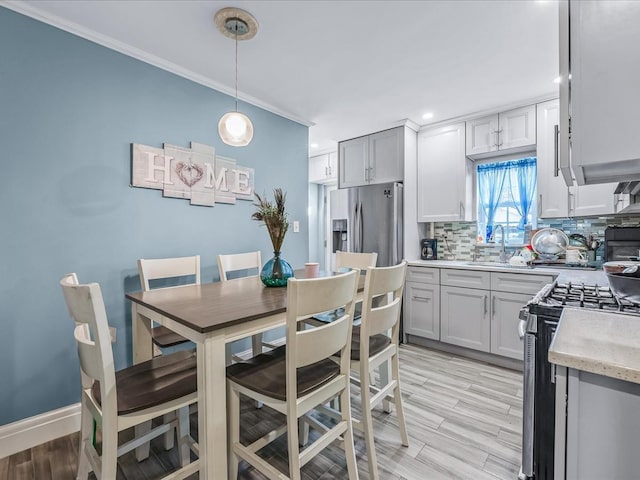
[[373, 215]]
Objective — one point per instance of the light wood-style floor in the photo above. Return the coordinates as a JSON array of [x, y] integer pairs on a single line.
[[464, 420]]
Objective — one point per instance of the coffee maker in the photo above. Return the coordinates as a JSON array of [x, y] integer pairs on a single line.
[[429, 249]]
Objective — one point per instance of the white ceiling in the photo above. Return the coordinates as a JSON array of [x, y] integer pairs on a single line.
[[347, 68]]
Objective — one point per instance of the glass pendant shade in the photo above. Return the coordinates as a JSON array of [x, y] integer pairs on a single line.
[[235, 129]]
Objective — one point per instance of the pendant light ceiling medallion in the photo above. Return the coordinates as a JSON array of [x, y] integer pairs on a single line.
[[235, 128]]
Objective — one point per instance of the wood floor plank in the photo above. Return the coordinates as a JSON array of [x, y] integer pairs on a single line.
[[464, 420]]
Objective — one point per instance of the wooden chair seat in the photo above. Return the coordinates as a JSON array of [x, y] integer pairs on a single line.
[[184, 269], [157, 381], [299, 378], [165, 386], [266, 374], [377, 343], [164, 338]]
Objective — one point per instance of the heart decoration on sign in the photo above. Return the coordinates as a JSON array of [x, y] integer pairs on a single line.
[[189, 173]]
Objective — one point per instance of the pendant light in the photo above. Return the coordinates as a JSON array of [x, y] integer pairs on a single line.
[[235, 128]]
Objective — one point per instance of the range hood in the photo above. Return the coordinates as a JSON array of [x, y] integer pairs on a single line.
[[633, 189]]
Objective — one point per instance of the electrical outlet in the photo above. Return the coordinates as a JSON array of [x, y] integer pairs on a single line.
[[296, 226]]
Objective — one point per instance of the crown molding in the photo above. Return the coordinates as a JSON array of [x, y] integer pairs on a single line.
[[121, 47], [491, 111]]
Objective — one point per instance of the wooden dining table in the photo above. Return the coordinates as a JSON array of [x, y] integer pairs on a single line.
[[210, 315]]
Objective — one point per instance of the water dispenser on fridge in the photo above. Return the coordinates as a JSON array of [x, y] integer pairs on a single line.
[[339, 238]]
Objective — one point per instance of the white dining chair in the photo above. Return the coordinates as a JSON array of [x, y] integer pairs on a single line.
[[372, 346], [186, 269], [298, 377], [250, 261], [120, 400]]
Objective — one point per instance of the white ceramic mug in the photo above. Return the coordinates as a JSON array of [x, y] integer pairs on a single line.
[[311, 269], [575, 256]]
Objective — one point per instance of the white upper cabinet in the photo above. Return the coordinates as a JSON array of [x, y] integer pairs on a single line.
[[445, 190], [482, 135], [553, 193], [376, 158], [323, 168], [514, 129], [555, 199], [602, 40]]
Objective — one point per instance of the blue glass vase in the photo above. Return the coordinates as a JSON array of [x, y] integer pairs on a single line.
[[276, 271]]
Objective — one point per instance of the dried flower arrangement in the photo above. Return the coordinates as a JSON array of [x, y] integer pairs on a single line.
[[274, 216]]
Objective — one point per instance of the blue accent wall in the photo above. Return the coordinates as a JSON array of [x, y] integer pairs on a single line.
[[69, 110]]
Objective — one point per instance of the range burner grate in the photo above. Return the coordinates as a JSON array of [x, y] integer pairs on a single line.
[[587, 296]]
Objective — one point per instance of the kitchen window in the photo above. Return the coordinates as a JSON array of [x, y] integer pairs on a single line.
[[506, 196]]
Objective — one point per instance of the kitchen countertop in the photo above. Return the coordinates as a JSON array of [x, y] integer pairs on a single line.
[[598, 342]]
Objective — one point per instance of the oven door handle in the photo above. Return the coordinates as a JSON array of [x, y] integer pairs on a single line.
[[522, 328]]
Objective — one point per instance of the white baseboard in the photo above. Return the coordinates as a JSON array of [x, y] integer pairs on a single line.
[[29, 432]]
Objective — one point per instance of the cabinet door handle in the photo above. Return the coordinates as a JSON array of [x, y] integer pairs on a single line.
[[326, 171], [329, 168], [493, 305], [372, 175], [499, 136], [485, 306], [462, 211], [366, 174], [540, 203], [556, 164], [424, 299]]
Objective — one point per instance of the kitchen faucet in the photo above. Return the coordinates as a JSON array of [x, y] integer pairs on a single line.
[[503, 252]]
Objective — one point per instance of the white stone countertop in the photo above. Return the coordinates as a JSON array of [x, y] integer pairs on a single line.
[[563, 274], [598, 342]]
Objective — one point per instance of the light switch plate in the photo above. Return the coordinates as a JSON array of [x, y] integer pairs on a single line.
[[296, 226]]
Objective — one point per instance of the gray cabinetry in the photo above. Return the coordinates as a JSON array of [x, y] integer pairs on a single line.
[[422, 310], [597, 426], [464, 319], [464, 308], [445, 190], [422, 302], [600, 53], [509, 293], [376, 158]]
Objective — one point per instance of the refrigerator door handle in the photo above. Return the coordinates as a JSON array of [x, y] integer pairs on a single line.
[[360, 229], [356, 228]]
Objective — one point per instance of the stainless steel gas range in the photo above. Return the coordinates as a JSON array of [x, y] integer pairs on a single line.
[[538, 323]]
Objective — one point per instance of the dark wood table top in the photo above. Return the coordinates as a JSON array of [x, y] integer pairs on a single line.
[[212, 306]]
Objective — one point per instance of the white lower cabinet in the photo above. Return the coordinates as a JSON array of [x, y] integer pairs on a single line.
[[464, 319], [422, 310], [505, 309], [421, 315], [474, 309]]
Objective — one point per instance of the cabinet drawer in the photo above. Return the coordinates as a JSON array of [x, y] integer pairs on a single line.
[[423, 275], [518, 282], [465, 278]]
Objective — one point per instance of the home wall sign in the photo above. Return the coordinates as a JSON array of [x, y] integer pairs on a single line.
[[195, 173]]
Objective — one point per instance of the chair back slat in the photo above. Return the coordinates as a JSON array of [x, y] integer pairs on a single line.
[[92, 335], [323, 294], [312, 296], [238, 261], [381, 319], [322, 342], [161, 268], [360, 261], [386, 283]]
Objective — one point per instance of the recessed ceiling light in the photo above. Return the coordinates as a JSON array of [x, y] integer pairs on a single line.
[[314, 145], [557, 80], [427, 116]]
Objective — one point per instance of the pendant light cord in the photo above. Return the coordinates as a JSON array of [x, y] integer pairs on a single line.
[[236, 29]]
